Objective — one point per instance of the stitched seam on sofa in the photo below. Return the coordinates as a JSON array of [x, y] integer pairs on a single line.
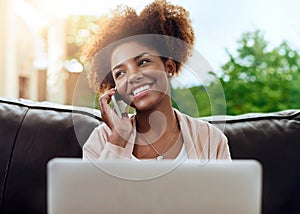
[[254, 118], [10, 158], [53, 109]]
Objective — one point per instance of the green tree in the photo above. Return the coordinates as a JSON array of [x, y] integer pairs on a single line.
[[193, 101], [260, 78]]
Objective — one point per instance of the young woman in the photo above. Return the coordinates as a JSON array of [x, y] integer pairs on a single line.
[[136, 55]]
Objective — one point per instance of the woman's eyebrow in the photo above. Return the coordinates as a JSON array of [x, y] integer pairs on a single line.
[[117, 66], [134, 58], [141, 54]]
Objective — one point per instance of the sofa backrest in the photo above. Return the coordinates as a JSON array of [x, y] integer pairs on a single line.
[[32, 133]]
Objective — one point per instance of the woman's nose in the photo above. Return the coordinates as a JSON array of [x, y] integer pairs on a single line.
[[134, 75]]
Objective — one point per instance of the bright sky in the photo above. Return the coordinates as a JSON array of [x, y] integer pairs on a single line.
[[218, 24]]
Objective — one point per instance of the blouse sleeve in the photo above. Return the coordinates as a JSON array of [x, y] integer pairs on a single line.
[[97, 146], [221, 148]]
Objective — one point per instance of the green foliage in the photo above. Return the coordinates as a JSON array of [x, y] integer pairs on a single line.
[[193, 101], [260, 79], [257, 79]]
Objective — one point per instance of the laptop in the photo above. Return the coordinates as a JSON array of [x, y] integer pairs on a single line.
[[114, 186]]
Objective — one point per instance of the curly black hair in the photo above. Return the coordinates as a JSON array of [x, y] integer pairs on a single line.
[[161, 26]]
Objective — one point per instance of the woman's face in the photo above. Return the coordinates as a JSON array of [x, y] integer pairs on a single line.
[[140, 75]]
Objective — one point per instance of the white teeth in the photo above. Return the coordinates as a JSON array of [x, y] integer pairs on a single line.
[[140, 89]]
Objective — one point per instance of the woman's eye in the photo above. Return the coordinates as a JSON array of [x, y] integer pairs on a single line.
[[143, 62], [119, 73]]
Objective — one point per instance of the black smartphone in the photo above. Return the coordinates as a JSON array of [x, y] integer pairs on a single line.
[[119, 105]]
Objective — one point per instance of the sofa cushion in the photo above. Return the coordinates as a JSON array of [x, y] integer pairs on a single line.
[[274, 140]]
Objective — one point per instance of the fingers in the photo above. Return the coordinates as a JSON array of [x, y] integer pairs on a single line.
[[121, 127], [107, 113], [121, 124], [104, 101]]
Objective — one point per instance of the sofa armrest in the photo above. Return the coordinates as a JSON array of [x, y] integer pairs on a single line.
[[31, 134]]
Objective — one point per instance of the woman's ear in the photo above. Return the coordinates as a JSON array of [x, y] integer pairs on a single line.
[[170, 66]]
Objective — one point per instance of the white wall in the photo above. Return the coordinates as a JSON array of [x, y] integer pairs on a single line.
[[8, 72]]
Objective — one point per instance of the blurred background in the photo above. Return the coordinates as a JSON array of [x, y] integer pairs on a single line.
[[252, 47]]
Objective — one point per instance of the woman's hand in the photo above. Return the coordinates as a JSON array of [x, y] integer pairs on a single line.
[[121, 127]]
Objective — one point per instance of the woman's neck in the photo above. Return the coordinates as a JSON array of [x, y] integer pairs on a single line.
[[156, 120], [161, 129]]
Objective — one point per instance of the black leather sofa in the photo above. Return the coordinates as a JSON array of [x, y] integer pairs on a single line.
[[32, 133]]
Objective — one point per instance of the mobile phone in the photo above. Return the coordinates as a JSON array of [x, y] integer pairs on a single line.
[[119, 105]]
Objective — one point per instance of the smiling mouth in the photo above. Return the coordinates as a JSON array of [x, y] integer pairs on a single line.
[[141, 89]]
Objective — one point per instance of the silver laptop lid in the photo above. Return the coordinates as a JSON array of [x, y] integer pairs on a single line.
[[165, 187]]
